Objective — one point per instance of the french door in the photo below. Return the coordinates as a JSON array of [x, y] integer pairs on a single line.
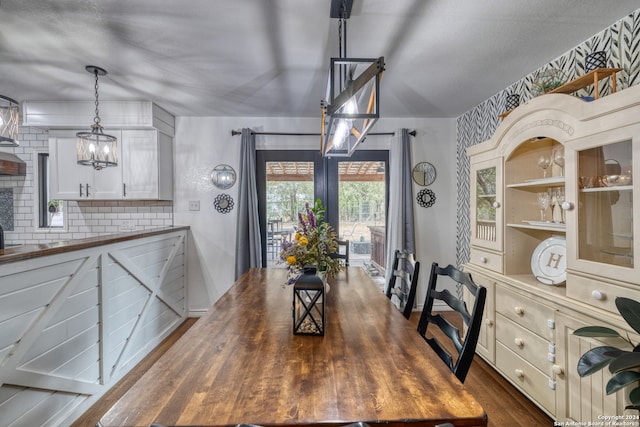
[[354, 191]]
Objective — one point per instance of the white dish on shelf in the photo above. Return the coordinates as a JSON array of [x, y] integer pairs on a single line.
[[549, 261]]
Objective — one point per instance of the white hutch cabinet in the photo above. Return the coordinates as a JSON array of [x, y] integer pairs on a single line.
[[553, 269]]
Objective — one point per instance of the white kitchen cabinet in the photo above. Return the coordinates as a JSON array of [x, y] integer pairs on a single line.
[[147, 165], [144, 171], [545, 288], [70, 181]]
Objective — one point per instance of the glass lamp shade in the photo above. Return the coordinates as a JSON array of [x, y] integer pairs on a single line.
[[96, 148], [9, 120]]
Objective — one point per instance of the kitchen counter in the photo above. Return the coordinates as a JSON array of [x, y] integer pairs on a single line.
[[77, 315], [22, 252]]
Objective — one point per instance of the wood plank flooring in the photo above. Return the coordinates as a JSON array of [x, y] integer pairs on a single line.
[[504, 405]]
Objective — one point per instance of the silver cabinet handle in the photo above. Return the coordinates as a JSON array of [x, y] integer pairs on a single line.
[[124, 190], [81, 189], [87, 190]]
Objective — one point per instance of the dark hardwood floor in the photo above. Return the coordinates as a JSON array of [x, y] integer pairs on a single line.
[[504, 405]]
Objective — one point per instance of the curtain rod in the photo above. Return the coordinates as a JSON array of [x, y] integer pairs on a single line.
[[238, 132]]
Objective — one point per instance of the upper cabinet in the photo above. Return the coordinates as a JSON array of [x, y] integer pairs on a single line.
[[145, 144], [144, 171]]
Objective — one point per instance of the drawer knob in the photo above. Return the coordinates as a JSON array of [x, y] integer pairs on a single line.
[[519, 342], [598, 295], [519, 310], [519, 373], [496, 205], [488, 322], [566, 206], [557, 369], [483, 259]]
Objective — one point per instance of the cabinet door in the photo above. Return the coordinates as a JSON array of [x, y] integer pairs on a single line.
[[67, 179], [107, 182], [140, 164], [581, 399], [486, 200], [602, 234], [487, 340]]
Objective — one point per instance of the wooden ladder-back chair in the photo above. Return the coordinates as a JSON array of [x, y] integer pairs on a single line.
[[343, 245], [407, 269], [472, 320]]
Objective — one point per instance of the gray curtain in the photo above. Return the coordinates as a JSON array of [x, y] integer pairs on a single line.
[[248, 243], [400, 230]]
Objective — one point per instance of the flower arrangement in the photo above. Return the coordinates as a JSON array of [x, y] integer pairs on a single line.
[[313, 244]]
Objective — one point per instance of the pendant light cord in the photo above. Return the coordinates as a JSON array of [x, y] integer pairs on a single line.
[[96, 119]]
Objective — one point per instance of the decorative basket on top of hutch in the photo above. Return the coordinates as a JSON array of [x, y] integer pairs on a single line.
[[522, 216]]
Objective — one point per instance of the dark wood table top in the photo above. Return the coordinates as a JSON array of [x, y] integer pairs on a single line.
[[241, 363]]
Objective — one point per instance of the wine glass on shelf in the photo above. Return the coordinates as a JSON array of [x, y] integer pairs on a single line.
[[544, 162], [543, 203], [560, 199], [553, 202], [558, 157]]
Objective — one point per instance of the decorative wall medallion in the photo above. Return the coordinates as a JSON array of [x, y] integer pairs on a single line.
[[426, 198], [223, 203], [424, 173], [223, 176]]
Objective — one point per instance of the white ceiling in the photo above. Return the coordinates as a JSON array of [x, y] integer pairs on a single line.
[[271, 57]]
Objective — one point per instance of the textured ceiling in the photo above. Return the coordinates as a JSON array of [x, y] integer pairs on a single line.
[[270, 57]]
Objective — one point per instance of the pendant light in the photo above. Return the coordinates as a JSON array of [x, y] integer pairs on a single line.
[[352, 102], [96, 148], [9, 120]]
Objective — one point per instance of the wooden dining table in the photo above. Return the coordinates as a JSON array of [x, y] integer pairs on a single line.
[[241, 363]]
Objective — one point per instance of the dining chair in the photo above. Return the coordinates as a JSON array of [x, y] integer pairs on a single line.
[[343, 252], [472, 320], [407, 269], [274, 237]]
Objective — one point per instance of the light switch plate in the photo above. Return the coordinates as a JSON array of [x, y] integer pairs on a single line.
[[194, 205]]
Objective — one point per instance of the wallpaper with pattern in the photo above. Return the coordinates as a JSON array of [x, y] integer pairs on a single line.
[[621, 42]]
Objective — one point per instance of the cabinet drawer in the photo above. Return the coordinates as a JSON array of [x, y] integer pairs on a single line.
[[523, 342], [597, 293], [530, 314], [486, 259], [528, 378]]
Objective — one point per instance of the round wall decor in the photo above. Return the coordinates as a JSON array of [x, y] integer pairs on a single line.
[[426, 198], [223, 176], [424, 173], [223, 203]]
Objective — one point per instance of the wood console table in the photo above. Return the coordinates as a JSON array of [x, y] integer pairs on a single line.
[[241, 363]]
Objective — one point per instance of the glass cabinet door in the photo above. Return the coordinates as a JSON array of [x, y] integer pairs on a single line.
[[604, 226], [486, 195], [605, 204]]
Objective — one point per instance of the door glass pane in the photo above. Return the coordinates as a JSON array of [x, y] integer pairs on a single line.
[[605, 208], [289, 187], [485, 209], [361, 208]]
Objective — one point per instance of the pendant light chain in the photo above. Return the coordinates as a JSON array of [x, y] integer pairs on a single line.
[[96, 119]]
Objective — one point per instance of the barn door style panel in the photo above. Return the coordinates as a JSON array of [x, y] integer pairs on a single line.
[[73, 324]]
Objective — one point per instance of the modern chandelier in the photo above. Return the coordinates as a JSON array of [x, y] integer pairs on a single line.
[[96, 148], [9, 121], [352, 102]]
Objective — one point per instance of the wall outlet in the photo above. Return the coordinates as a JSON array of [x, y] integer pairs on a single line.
[[194, 205]]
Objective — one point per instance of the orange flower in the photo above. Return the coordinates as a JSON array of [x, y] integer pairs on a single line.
[[291, 260]]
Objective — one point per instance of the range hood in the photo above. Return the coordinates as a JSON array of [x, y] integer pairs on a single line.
[[10, 164]]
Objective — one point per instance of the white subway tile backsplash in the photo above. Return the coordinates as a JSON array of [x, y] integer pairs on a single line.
[[84, 218]]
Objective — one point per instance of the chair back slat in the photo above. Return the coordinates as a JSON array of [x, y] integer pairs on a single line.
[[464, 346], [403, 282]]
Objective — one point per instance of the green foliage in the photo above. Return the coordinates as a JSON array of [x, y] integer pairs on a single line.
[[623, 364]]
